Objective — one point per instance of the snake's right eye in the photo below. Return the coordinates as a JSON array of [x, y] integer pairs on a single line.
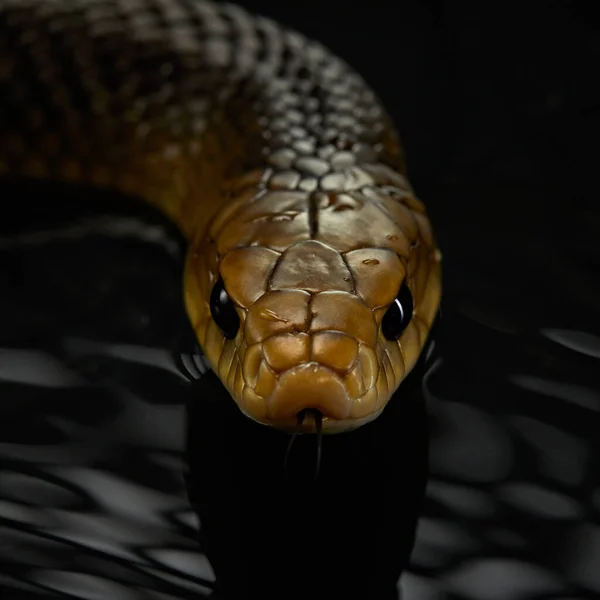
[[223, 310]]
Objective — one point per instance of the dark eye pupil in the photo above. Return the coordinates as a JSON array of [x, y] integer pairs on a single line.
[[398, 315], [223, 310]]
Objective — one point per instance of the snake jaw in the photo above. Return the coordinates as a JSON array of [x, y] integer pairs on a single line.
[[328, 426], [309, 386], [313, 386]]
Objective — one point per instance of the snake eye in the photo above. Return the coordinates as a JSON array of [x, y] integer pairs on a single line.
[[223, 310], [398, 315]]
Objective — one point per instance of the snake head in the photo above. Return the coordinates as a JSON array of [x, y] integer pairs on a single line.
[[309, 328], [318, 301]]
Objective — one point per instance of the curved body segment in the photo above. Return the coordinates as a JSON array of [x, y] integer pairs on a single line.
[[275, 159]]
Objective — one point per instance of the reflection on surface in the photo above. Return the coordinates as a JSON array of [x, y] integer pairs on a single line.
[[93, 421]]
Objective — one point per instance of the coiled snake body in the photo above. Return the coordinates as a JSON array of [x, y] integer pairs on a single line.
[[312, 277]]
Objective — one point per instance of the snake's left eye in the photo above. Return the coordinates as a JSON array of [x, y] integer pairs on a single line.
[[223, 310], [398, 315]]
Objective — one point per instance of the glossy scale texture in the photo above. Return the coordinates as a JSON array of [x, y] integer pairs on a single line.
[[274, 158]]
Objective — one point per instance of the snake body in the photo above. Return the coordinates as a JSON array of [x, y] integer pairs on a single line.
[[274, 158]]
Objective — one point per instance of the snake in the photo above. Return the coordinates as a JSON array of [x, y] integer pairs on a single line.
[[312, 274]]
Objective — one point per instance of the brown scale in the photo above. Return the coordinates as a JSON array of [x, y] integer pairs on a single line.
[[274, 158]]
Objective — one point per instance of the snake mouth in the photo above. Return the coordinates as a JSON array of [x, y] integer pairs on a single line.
[[328, 425], [310, 389], [309, 386]]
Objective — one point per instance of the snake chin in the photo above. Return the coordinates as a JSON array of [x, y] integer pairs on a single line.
[[310, 390], [329, 426]]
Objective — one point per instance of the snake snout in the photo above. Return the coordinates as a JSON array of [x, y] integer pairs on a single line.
[[309, 386]]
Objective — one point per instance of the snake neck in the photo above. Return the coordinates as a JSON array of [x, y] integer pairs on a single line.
[[182, 117]]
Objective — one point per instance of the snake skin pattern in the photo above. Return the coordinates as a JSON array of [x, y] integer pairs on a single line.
[[273, 157]]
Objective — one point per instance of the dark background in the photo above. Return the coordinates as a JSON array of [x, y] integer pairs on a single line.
[[497, 105]]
